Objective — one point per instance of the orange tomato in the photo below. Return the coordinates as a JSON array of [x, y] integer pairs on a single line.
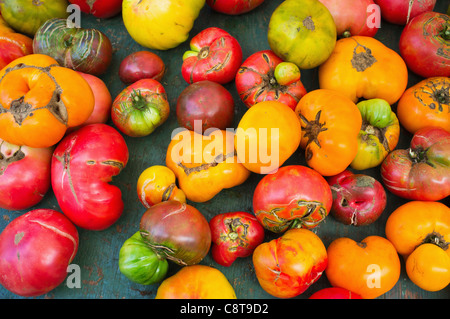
[[157, 184], [267, 135], [39, 100], [330, 126], [196, 282], [363, 67], [369, 268], [426, 103]]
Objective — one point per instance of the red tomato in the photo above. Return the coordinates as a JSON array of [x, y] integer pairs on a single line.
[[35, 250], [334, 293], [233, 7], [100, 8], [215, 55], [24, 175], [83, 164], [233, 235], [424, 44], [421, 172], [141, 65], [295, 196], [257, 80], [401, 11]]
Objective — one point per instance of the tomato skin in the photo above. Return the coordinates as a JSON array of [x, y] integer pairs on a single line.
[[233, 7], [424, 48], [399, 11], [257, 81], [334, 293], [233, 235], [13, 45], [287, 266], [35, 250], [295, 196], [139, 65], [24, 175], [421, 172], [83, 164], [102, 9], [214, 55]]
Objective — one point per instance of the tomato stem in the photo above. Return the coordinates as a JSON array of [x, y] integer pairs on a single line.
[[445, 33], [436, 239]]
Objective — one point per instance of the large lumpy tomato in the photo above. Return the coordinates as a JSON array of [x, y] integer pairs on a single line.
[[35, 250], [293, 197]]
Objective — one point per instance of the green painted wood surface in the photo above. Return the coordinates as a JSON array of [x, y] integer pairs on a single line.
[[98, 252]]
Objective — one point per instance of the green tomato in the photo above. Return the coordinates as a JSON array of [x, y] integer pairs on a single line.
[[302, 32], [26, 16], [139, 263], [286, 73]]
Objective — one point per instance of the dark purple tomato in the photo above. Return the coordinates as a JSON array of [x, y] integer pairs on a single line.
[[141, 65]]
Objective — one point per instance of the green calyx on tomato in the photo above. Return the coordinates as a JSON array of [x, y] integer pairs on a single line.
[[139, 263], [378, 135]]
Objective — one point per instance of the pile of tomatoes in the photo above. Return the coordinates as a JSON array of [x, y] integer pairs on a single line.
[[61, 129]]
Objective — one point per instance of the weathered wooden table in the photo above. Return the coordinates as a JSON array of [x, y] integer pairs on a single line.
[[98, 252]]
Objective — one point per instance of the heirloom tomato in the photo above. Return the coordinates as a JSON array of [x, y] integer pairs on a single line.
[[39, 100], [353, 17], [426, 103], [13, 45], [83, 165], [140, 108], [158, 184], [24, 175], [421, 172], [267, 135], [358, 199], [265, 77], [334, 293], [27, 16], [401, 12], [378, 135], [285, 267], [214, 55], [330, 124], [99, 8], [363, 67], [35, 250], [80, 49], [302, 32], [176, 231], [293, 197], [369, 268], [141, 65], [233, 7], [204, 165], [160, 24], [420, 232], [139, 263], [425, 44], [196, 282], [233, 235], [205, 105]]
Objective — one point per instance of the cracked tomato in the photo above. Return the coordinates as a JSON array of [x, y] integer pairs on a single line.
[[214, 55], [233, 235], [83, 165], [293, 197]]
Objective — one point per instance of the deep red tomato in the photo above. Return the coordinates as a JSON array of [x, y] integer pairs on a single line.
[[421, 172], [83, 164], [100, 8], [425, 44], [214, 55], [233, 235], [334, 293], [293, 197], [35, 250], [259, 79], [205, 105], [233, 7], [140, 108], [401, 11], [141, 65], [24, 175]]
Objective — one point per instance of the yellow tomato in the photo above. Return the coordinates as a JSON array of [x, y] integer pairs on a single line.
[[160, 24]]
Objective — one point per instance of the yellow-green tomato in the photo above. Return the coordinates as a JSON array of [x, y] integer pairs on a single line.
[[160, 24], [302, 32], [286, 73]]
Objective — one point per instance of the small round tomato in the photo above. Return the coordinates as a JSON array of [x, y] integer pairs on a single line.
[[158, 184], [140, 108], [141, 65], [295, 196]]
